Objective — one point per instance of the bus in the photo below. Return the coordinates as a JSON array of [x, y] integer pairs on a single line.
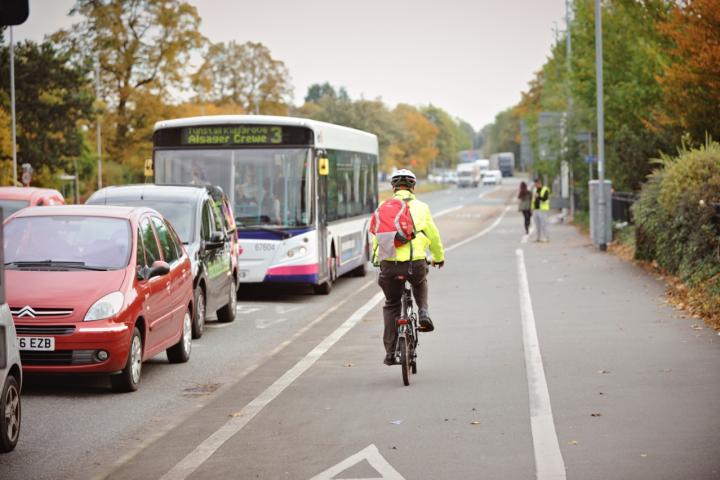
[[302, 191]]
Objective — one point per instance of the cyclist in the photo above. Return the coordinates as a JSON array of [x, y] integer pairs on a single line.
[[414, 269]]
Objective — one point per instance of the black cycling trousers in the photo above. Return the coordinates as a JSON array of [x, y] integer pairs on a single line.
[[393, 288]]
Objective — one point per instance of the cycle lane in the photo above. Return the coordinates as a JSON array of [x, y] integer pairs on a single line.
[[465, 414]]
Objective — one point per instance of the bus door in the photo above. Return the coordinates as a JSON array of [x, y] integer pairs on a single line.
[[322, 168]]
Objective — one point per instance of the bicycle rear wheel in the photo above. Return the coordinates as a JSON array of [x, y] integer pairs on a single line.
[[404, 359]]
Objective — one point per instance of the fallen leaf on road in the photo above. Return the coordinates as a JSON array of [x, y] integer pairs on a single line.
[[603, 371], [643, 455], [666, 370], [236, 414], [602, 393], [572, 442], [349, 364], [394, 447], [596, 414], [695, 326], [475, 422], [396, 422]]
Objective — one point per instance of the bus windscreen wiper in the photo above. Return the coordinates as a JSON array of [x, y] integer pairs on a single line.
[[281, 233]]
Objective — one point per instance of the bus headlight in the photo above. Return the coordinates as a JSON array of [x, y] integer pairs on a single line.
[[297, 252]]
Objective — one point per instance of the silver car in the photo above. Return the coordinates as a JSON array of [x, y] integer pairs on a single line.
[[10, 369]]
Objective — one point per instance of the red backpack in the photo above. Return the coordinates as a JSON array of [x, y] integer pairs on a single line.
[[393, 226]]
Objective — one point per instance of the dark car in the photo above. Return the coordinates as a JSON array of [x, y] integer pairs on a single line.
[[202, 218]]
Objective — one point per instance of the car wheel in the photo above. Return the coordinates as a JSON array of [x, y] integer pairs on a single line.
[[199, 317], [180, 352], [10, 415], [129, 379], [227, 313]]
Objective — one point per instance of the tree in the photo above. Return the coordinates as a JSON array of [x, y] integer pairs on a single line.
[[52, 97], [245, 75], [691, 81], [416, 148], [143, 48], [447, 138], [316, 91]]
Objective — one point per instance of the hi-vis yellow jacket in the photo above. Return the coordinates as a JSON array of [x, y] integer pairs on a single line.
[[544, 198], [427, 236]]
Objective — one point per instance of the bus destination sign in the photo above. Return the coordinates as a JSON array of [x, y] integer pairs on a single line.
[[232, 135]]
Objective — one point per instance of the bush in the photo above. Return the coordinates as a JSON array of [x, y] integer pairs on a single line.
[[676, 225]]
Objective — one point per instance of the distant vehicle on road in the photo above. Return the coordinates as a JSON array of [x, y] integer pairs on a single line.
[[483, 164], [468, 175], [492, 177], [302, 191], [97, 290], [503, 161], [202, 218], [10, 373], [13, 199]]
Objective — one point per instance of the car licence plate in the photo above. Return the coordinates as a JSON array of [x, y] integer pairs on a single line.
[[36, 343]]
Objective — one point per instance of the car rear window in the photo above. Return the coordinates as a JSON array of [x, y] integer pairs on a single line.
[[180, 214], [91, 241], [11, 206]]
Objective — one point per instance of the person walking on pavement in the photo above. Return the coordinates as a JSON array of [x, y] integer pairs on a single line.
[[408, 260], [525, 199], [540, 207]]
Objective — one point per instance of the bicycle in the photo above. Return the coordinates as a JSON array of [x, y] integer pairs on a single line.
[[407, 341]]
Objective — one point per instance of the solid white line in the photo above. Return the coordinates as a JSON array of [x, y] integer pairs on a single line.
[[211, 444], [448, 210], [486, 192], [548, 458], [479, 234], [149, 440]]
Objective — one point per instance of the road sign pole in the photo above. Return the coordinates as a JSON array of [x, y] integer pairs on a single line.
[[12, 106], [600, 124], [97, 122]]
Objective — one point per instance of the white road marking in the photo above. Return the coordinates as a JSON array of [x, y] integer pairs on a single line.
[[261, 323], [283, 310], [479, 234], [448, 210], [549, 463], [211, 444], [218, 325], [246, 309], [372, 455], [167, 427], [486, 192]]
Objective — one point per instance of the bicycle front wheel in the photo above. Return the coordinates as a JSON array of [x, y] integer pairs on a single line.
[[404, 359]]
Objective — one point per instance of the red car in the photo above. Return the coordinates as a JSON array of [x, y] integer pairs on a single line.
[[13, 199], [97, 290]]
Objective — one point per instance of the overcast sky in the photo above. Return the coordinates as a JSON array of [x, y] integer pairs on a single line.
[[470, 57]]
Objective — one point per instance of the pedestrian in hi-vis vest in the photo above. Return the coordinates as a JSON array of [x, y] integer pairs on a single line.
[[540, 206], [403, 230]]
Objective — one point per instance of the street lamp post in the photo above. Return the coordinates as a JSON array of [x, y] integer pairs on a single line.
[[98, 136], [12, 106], [600, 125]]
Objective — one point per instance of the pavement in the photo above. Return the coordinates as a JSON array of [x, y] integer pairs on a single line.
[[549, 360]]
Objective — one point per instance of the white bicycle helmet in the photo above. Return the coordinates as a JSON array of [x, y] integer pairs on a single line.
[[403, 178]]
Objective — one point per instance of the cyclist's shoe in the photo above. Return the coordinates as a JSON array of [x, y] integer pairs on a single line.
[[426, 324], [390, 359]]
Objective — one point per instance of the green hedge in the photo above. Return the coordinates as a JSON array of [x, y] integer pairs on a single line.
[[674, 218]]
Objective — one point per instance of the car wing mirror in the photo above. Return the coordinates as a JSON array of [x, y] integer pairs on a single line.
[[158, 269]]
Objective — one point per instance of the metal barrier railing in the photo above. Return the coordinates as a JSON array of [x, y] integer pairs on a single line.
[[622, 203]]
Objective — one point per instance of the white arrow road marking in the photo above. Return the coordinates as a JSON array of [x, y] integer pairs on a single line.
[[372, 455], [210, 445], [549, 463]]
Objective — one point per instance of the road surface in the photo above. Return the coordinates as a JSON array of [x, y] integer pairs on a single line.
[[548, 361]]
